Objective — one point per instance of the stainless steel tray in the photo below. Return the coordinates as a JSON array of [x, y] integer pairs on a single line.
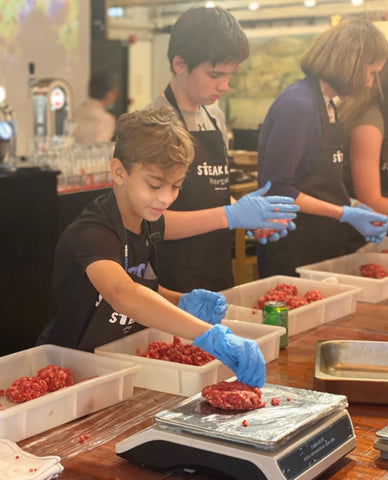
[[355, 368], [268, 427]]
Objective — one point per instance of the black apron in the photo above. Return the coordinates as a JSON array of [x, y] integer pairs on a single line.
[[107, 325], [384, 166], [316, 237], [201, 261]]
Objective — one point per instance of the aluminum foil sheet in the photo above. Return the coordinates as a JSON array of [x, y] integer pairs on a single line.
[[268, 428]]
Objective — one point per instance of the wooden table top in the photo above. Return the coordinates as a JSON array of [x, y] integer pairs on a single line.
[[95, 458]]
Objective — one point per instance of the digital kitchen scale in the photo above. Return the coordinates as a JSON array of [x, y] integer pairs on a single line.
[[298, 439], [381, 442]]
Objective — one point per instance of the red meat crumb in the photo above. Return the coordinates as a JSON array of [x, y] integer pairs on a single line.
[[245, 423], [177, 352], [1, 393], [82, 438], [275, 401]]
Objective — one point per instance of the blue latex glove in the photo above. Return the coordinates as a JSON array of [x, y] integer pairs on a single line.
[[204, 304], [243, 356], [360, 219], [253, 210]]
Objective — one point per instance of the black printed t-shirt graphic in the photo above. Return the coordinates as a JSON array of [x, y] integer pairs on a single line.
[[98, 234]]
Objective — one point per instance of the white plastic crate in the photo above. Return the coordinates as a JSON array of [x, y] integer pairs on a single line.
[[184, 379], [345, 270], [339, 300], [381, 247], [112, 383]]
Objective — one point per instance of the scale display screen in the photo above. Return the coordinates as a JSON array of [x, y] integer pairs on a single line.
[[315, 449]]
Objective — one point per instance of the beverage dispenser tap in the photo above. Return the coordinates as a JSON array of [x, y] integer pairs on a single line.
[[52, 104], [7, 132]]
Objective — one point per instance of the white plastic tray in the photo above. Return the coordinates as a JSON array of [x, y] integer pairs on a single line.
[[339, 300], [184, 379], [113, 383], [345, 270], [381, 247]]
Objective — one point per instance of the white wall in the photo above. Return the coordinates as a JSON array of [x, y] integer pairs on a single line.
[[37, 36], [161, 65], [140, 74]]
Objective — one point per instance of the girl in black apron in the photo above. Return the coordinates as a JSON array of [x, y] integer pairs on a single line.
[[201, 261], [316, 237]]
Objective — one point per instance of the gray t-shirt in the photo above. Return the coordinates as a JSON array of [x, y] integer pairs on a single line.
[[199, 120]]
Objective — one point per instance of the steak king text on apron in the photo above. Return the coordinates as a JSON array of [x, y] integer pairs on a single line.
[[202, 261]]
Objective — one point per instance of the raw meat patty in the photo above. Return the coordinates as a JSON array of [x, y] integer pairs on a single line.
[[233, 396]]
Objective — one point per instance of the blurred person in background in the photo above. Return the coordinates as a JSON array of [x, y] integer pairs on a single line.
[[94, 122], [301, 149], [366, 165], [206, 47]]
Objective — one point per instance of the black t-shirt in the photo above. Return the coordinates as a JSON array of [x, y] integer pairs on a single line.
[[97, 234]]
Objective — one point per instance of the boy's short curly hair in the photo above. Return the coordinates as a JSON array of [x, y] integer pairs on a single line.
[[207, 35], [153, 137], [340, 55]]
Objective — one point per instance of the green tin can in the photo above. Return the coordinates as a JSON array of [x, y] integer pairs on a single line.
[[276, 313]]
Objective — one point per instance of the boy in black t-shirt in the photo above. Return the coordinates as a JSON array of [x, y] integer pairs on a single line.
[[105, 273]]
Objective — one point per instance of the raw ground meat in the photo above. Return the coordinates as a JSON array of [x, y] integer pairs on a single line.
[[55, 377], [295, 302], [233, 396], [26, 388], [177, 352], [372, 270], [266, 232], [313, 296], [284, 292], [287, 288], [272, 296]]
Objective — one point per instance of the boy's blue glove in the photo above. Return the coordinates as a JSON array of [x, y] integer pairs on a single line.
[[243, 356], [204, 304], [361, 219], [253, 210]]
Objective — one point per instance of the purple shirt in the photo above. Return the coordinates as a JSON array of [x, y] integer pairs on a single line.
[[290, 139]]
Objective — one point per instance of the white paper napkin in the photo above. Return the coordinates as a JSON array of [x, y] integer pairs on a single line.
[[16, 464]]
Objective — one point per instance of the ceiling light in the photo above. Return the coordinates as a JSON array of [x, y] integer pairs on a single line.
[[253, 6], [357, 3], [210, 4], [310, 3]]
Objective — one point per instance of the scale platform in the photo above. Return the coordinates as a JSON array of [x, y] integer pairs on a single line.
[[298, 439]]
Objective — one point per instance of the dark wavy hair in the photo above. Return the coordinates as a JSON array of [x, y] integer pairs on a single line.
[[207, 35]]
